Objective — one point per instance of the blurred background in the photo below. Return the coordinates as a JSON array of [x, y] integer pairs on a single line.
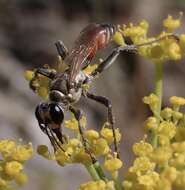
[[28, 30]]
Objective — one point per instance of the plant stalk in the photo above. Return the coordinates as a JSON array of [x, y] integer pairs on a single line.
[[92, 171], [159, 93]]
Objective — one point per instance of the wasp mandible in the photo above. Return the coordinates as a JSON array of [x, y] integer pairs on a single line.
[[65, 88]]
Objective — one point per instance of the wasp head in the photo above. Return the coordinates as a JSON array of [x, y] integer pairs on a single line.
[[49, 114]]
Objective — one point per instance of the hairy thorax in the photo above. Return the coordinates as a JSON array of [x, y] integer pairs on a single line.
[[60, 91]]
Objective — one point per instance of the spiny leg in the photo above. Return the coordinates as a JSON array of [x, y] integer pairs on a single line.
[[78, 115], [106, 102], [111, 58], [61, 49]]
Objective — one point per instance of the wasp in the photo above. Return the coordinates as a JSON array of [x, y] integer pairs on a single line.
[[65, 88]]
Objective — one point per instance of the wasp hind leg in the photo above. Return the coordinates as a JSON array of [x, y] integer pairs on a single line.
[[106, 102], [78, 116]]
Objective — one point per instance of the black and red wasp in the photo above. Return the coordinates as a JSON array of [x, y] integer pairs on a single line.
[[65, 88]]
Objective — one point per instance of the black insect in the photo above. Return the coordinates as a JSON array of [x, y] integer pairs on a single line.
[[66, 87]]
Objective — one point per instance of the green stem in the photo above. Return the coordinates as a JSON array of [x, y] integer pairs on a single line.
[[158, 88], [158, 92], [92, 171], [118, 185], [100, 171]]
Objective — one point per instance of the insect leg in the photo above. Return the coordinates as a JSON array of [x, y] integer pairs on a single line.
[[78, 115], [55, 140], [111, 58], [42, 71], [61, 49], [106, 102], [53, 143]]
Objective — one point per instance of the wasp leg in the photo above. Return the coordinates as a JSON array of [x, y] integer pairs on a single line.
[[78, 115], [111, 58], [61, 49], [106, 102], [42, 71]]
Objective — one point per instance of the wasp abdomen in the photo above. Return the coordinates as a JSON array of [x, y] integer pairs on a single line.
[[105, 36]]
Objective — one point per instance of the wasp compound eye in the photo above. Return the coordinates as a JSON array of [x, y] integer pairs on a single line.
[[38, 115], [40, 112], [56, 113]]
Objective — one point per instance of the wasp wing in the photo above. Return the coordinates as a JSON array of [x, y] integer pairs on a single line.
[[83, 51]]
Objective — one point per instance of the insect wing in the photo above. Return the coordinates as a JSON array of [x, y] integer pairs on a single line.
[[82, 52]]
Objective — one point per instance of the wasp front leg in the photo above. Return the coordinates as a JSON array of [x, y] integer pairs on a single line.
[[78, 116], [42, 71], [106, 102]]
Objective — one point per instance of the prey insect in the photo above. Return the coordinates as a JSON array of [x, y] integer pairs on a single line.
[[65, 88]]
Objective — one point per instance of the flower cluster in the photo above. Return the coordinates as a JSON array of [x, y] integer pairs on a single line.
[[160, 167], [170, 47], [13, 156]]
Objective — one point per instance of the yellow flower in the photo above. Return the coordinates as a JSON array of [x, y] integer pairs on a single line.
[[142, 164], [22, 152], [178, 160], [118, 38], [29, 75], [174, 51], [93, 185], [163, 140], [136, 33], [91, 134], [163, 184], [170, 23], [180, 181], [167, 129], [177, 101], [177, 115], [142, 148], [43, 151], [12, 168], [62, 157], [127, 185], [113, 164], [166, 113], [43, 92], [151, 123], [107, 133], [100, 147], [170, 173], [148, 180], [180, 133], [21, 178], [81, 157], [178, 147], [73, 123], [152, 100], [6, 147], [161, 155]]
